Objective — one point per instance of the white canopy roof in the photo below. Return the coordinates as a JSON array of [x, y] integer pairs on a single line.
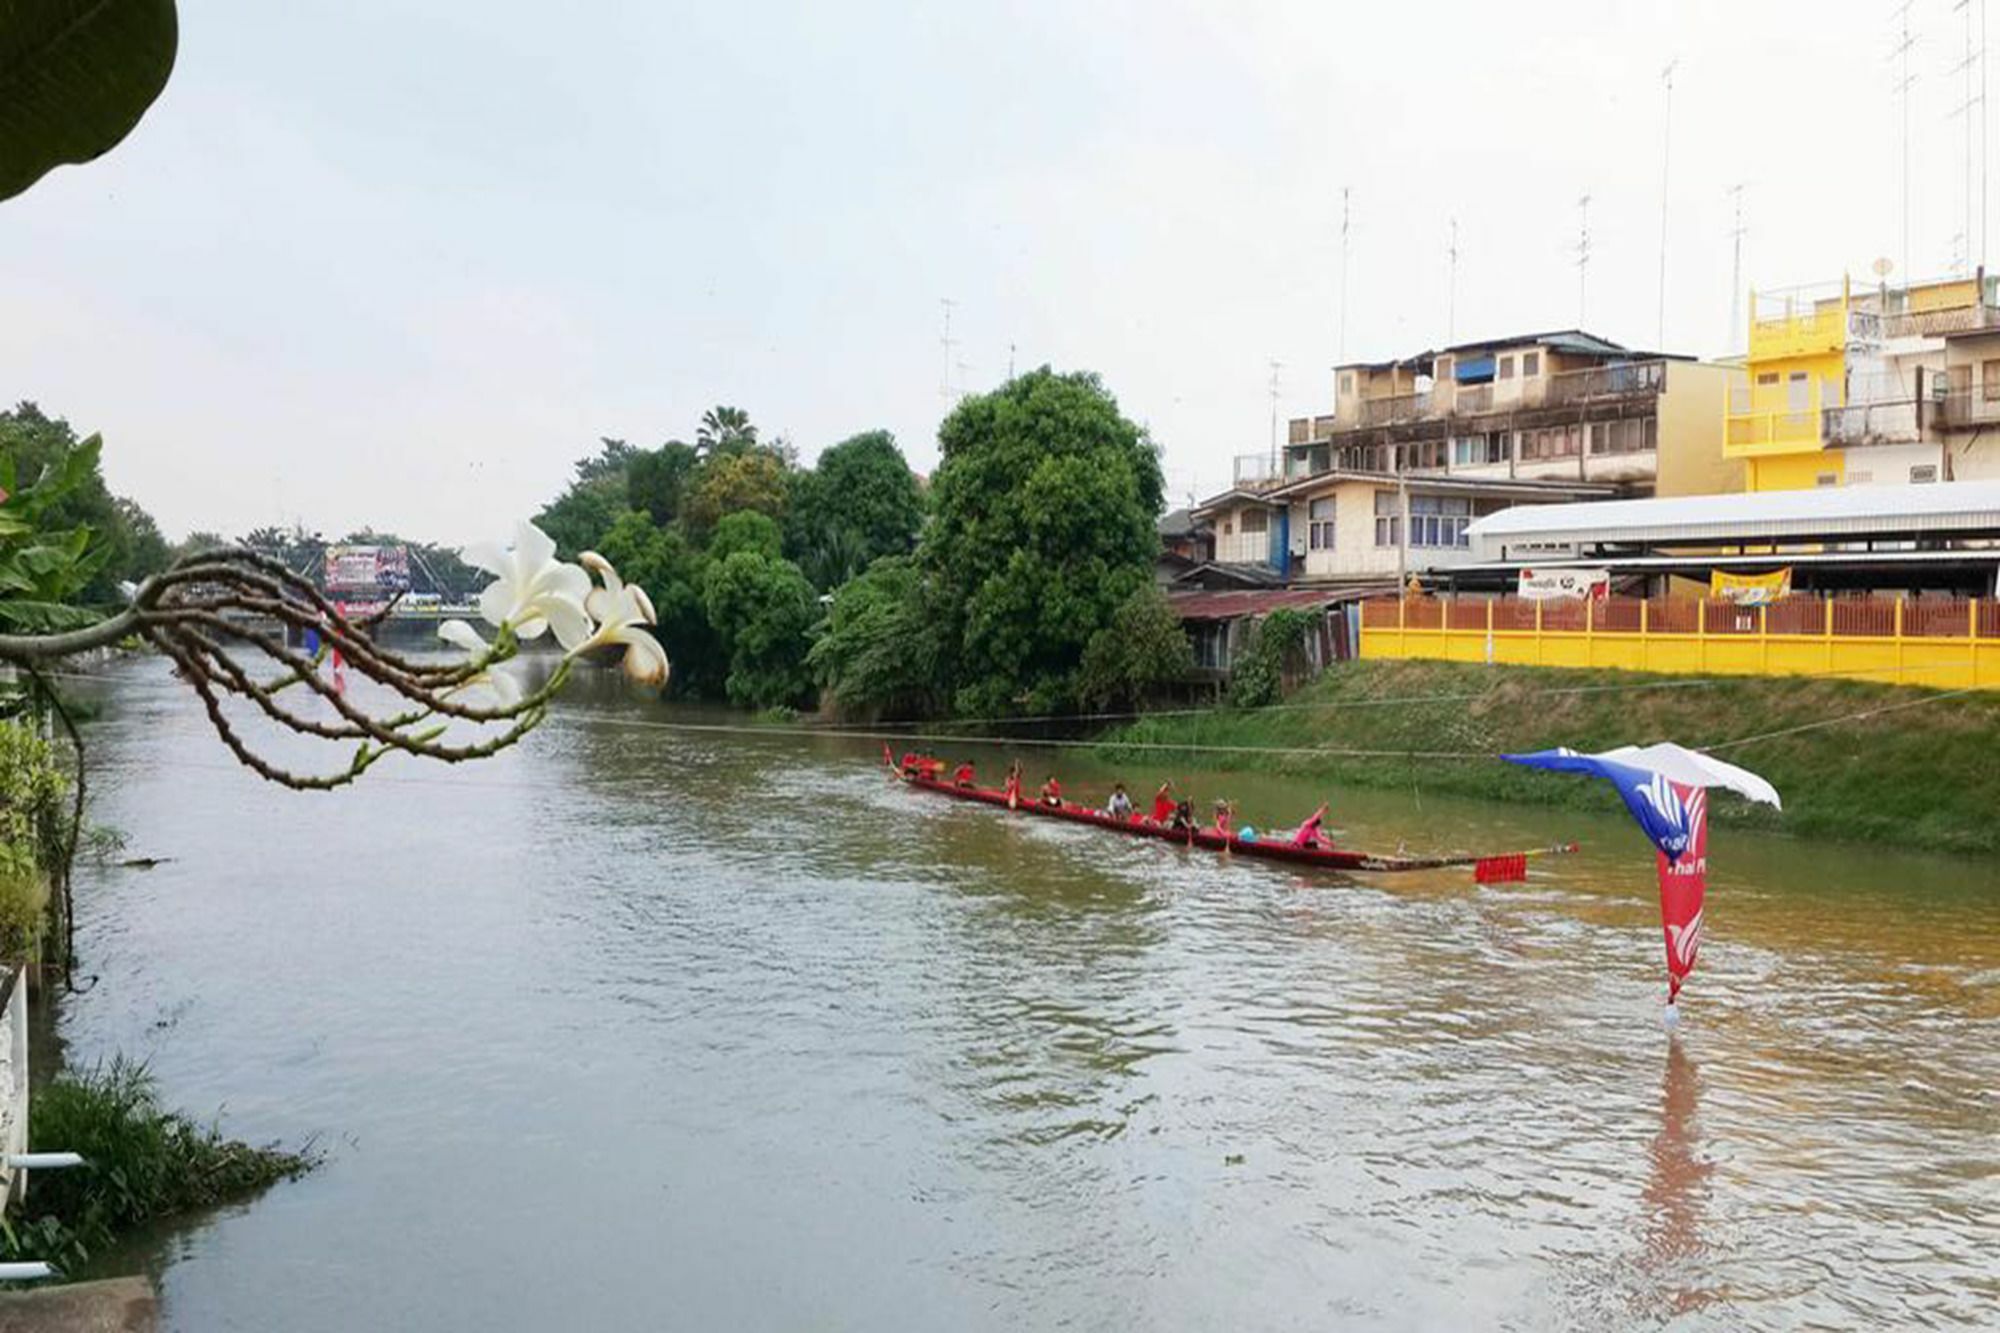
[[1820, 511], [1692, 768]]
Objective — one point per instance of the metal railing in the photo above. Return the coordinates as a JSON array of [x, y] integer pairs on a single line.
[[1470, 399], [1894, 422], [1970, 407], [1582, 386], [1254, 470], [1396, 407]]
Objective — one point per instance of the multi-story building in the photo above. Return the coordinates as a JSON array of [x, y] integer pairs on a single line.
[[1849, 386], [1415, 449]]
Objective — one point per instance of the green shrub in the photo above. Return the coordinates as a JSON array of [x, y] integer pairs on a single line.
[[142, 1163]]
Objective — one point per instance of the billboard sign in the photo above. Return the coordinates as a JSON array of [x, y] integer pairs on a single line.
[[383, 569]]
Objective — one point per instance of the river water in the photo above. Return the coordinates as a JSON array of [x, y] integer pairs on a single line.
[[636, 1027]]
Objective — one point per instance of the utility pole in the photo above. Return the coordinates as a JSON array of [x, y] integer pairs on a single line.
[[964, 377], [1010, 362], [1972, 248], [1736, 267], [1345, 220], [944, 385], [1582, 258], [1666, 166], [1901, 52], [1451, 290]]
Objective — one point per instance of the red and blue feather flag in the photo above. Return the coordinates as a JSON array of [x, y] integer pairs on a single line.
[[1665, 787]]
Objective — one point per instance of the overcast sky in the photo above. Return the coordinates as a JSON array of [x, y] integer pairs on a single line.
[[398, 264]]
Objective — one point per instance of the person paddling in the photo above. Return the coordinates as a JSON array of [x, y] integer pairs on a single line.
[[962, 775], [1120, 805], [1224, 816], [1163, 804], [1052, 792], [1309, 835], [1014, 785]]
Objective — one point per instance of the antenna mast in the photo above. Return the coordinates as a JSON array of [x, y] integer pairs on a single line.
[[1345, 220], [1901, 52], [1666, 165], [1582, 257], [944, 340], [1451, 297], [1736, 267], [1276, 366]]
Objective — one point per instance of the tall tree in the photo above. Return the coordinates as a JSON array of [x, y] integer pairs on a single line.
[[728, 483], [763, 609], [725, 430], [1042, 524], [127, 542], [879, 652], [859, 503], [657, 480]]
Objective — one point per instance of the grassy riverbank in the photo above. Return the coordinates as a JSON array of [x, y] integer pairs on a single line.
[[1926, 776]]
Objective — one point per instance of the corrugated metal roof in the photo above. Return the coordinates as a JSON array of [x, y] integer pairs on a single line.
[[1235, 603], [1825, 511]]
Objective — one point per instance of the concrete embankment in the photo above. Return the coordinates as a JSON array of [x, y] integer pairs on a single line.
[[117, 1305], [1859, 762]]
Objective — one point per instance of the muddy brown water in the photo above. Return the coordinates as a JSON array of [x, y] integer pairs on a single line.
[[641, 1028]]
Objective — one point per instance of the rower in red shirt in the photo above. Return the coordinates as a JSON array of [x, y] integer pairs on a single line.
[[962, 775], [1309, 835], [1163, 804], [1052, 792]]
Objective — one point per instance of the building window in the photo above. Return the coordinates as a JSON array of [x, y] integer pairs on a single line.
[[1798, 392], [1444, 368], [1923, 473], [1439, 520], [1227, 527], [1388, 519], [1346, 383], [1827, 479], [1319, 528], [1989, 381], [1506, 367], [1255, 521], [1859, 478], [1531, 365], [1768, 377]]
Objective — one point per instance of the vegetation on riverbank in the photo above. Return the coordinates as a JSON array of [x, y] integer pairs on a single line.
[[142, 1164], [1923, 776]]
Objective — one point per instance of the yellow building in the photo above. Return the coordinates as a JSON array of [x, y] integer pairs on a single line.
[[1846, 385]]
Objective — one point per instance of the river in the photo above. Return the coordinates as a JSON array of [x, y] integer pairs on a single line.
[[635, 1027]]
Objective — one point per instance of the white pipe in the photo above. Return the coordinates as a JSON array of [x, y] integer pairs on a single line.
[[25, 1272], [43, 1161]]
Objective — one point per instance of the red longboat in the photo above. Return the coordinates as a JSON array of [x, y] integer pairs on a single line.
[[1506, 865]]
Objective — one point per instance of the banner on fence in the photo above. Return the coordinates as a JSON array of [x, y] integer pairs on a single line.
[[1751, 589], [1545, 585]]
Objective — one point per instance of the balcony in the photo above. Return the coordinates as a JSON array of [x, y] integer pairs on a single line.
[[1805, 322], [1964, 409], [1472, 399], [1644, 379], [1255, 472], [1893, 422], [1396, 407], [1309, 430]]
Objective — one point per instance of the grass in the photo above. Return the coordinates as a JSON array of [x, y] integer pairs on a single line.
[[142, 1163], [1926, 776]]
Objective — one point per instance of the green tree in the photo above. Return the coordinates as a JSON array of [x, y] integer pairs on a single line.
[[1042, 525], [725, 430], [732, 482], [126, 543], [860, 502], [674, 574], [762, 609], [1141, 652], [746, 530], [657, 480], [879, 653]]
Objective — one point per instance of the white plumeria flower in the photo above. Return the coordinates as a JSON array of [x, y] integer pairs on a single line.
[[531, 590], [622, 610], [496, 683]]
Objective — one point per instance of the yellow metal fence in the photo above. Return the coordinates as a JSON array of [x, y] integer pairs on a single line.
[[1944, 644]]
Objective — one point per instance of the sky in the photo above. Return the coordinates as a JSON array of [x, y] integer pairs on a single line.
[[395, 265]]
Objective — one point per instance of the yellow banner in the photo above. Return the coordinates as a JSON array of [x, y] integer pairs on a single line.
[[1750, 589]]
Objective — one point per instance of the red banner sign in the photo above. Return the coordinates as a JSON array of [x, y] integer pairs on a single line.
[[1683, 879]]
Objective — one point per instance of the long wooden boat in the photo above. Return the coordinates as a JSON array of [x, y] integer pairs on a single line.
[[1489, 868]]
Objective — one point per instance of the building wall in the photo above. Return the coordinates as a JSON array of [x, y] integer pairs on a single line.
[[1891, 464], [1691, 460], [1795, 472], [1235, 546]]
